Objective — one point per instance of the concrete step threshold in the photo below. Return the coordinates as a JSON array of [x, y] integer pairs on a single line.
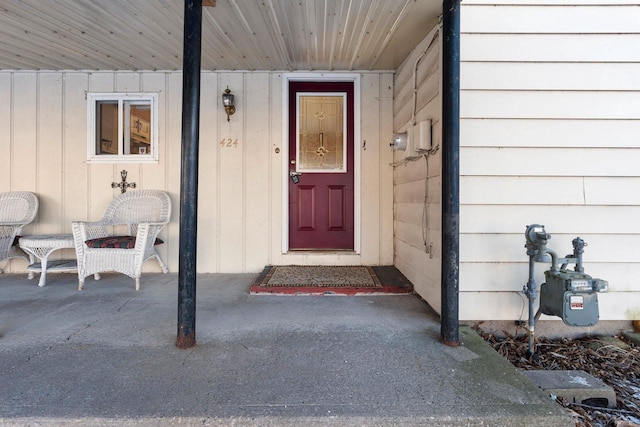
[[574, 386]]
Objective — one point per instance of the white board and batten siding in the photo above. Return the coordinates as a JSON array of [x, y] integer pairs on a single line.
[[43, 148], [550, 134], [417, 184]]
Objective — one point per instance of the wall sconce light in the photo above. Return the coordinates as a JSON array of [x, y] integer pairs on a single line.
[[227, 101]]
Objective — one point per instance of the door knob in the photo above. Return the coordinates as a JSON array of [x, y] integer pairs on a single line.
[[294, 176]]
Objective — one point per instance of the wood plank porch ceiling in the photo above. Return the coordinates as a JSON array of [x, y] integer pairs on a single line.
[[282, 35]]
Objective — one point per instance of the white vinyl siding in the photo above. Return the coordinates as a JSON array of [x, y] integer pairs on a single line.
[[417, 222], [550, 134]]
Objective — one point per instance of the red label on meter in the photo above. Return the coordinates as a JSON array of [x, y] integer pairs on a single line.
[[576, 302]]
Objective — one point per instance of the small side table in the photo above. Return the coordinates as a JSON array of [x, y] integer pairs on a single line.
[[41, 247]]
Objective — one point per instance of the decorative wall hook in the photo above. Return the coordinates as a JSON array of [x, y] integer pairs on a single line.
[[123, 185]]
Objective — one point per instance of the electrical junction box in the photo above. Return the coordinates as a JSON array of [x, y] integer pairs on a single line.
[[420, 137], [571, 295], [409, 153], [415, 141]]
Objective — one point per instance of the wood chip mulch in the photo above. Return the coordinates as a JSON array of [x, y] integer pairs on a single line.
[[613, 361]]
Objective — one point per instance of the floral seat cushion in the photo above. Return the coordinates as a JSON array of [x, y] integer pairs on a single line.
[[119, 242]]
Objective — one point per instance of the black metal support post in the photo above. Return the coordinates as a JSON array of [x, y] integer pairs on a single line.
[[449, 328], [189, 173]]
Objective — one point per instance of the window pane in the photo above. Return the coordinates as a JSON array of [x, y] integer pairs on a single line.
[[139, 128], [321, 139], [107, 127], [122, 127]]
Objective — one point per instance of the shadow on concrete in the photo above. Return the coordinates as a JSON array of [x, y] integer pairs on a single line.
[[106, 356]]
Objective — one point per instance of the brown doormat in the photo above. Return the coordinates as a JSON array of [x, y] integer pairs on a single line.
[[323, 280]]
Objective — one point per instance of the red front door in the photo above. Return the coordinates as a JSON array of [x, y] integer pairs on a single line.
[[321, 165]]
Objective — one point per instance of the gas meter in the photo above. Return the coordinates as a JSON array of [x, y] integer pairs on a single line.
[[569, 294]]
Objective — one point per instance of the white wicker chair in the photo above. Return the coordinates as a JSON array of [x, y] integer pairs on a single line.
[[17, 209], [145, 213]]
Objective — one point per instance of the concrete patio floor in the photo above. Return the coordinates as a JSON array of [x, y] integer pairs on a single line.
[[106, 356]]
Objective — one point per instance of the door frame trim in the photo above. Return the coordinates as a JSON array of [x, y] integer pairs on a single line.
[[321, 77]]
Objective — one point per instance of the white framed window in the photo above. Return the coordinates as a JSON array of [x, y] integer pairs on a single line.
[[122, 127]]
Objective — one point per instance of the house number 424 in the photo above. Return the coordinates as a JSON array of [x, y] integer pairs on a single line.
[[229, 143]]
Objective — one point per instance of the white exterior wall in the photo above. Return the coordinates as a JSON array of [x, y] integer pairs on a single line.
[[43, 134], [417, 185], [550, 134]]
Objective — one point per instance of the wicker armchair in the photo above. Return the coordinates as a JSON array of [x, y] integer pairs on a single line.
[[17, 209], [145, 213]]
